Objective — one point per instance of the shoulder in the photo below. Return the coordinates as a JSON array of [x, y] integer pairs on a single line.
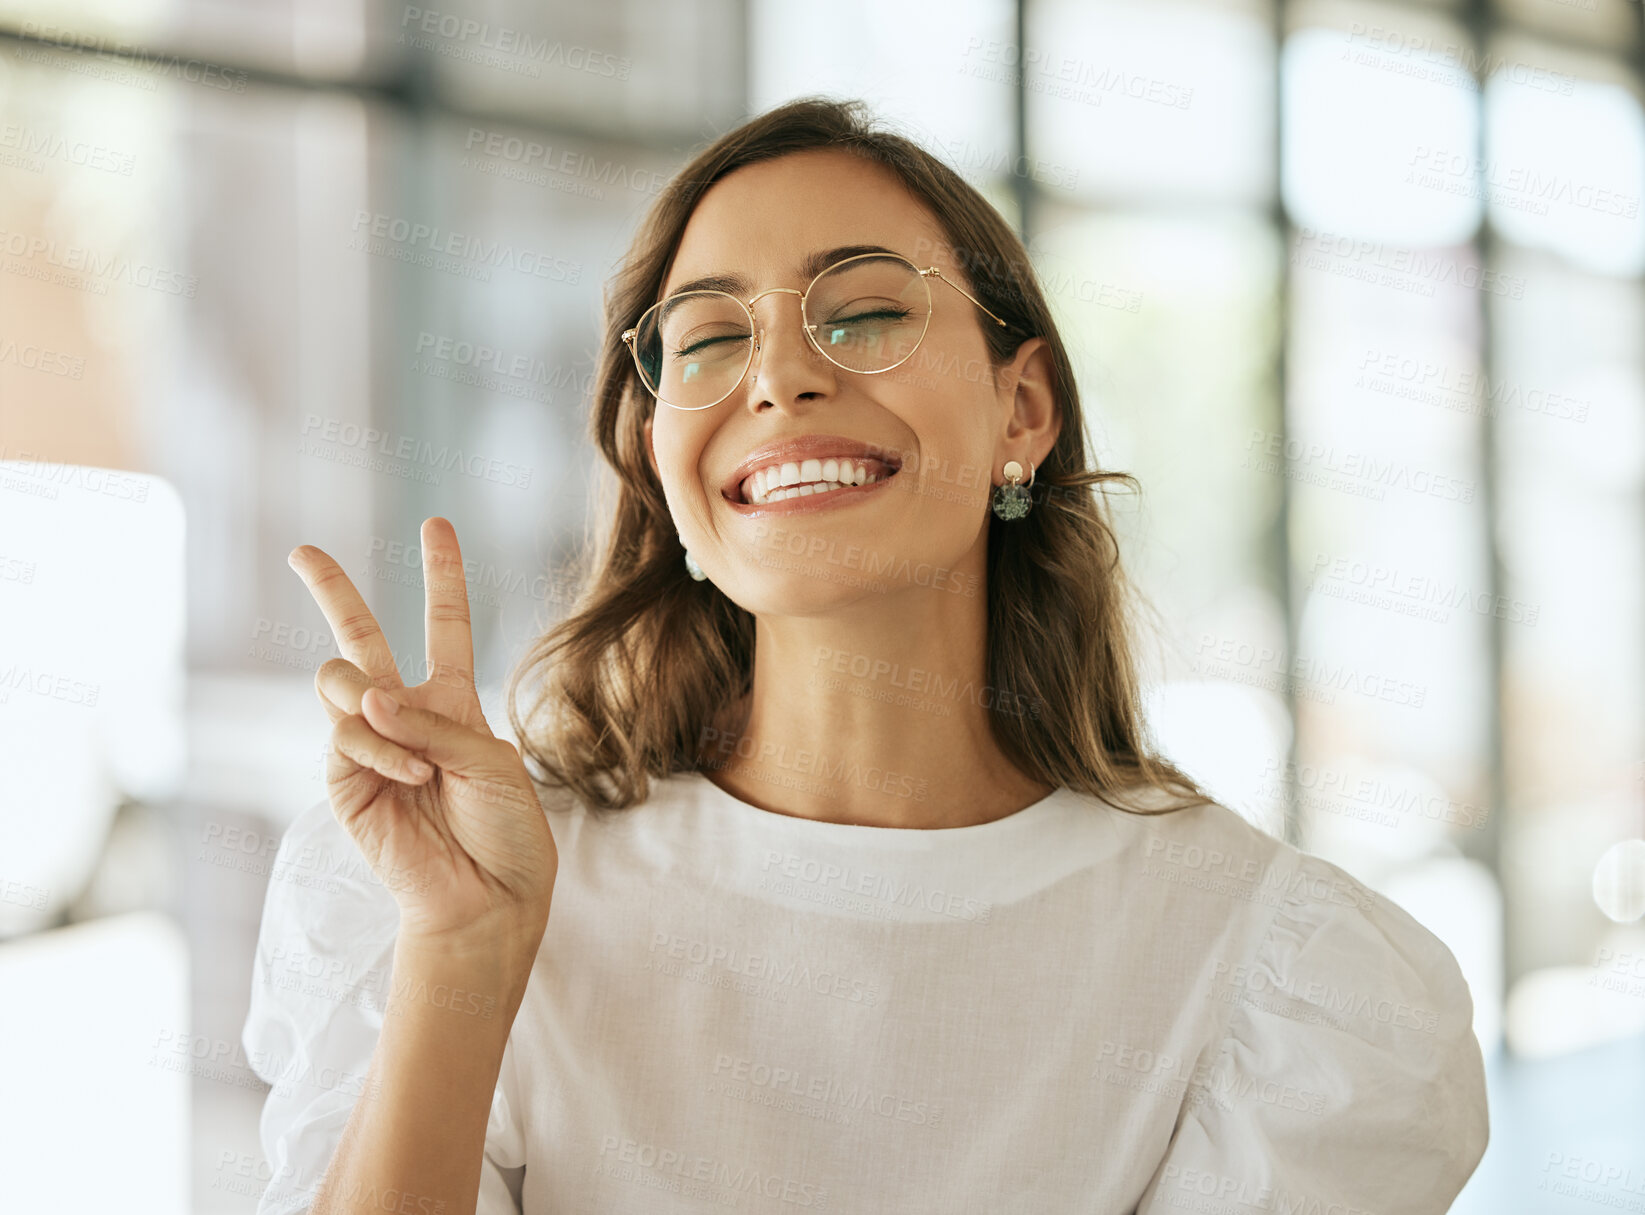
[[1318, 940], [568, 808], [1344, 1032]]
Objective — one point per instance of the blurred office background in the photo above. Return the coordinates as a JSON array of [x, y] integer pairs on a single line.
[[1353, 288]]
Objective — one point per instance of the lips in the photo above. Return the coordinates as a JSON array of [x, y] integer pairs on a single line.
[[809, 457]]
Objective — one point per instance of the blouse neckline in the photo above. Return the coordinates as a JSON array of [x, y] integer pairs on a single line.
[[859, 833]]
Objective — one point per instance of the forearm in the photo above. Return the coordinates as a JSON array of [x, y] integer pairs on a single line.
[[416, 1137]]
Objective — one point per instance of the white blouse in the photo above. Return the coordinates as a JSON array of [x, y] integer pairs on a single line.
[[1069, 1009]]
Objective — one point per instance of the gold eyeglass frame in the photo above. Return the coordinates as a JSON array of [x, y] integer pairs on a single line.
[[805, 323]]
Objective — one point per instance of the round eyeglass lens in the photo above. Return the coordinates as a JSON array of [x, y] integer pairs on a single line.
[[868, 313], [693, 348]]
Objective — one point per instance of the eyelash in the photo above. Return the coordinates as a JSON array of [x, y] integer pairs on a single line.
[[900, 314]]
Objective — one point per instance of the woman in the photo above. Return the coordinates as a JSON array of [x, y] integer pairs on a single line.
[[867, 891]]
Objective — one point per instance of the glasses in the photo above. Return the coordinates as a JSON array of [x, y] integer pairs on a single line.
[[871, 312]]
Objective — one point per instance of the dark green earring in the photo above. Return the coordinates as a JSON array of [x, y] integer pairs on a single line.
[[1012, 500]]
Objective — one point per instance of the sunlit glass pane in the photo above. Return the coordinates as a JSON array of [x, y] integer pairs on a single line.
[[1365, 108], [1566, 169], [937, 80], [1147, 100]]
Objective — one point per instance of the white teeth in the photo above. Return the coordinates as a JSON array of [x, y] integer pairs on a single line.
[[793, 479], [800, 491]]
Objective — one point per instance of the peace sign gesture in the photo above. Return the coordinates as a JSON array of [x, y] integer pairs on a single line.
[[442, 809]]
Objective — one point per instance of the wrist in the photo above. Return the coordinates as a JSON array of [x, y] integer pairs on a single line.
[[503, 949]]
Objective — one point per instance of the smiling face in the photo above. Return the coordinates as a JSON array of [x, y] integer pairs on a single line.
[[936, 429]]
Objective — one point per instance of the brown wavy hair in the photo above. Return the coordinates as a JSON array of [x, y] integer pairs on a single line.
[[644, 666]]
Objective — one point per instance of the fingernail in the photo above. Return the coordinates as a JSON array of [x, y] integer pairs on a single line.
[[389, 704]]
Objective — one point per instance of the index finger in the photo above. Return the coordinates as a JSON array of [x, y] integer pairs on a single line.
[[358, 634], [446, 624]]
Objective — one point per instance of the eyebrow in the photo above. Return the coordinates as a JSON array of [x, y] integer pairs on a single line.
[[813, 265]]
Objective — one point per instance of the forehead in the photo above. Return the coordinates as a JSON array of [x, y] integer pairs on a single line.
[[762, 223]]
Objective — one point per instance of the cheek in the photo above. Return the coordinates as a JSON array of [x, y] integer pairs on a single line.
[[679, 446]]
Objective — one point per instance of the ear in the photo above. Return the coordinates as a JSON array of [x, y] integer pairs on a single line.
[[650, 451], [1030, 417]]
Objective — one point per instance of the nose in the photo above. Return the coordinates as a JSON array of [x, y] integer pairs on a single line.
[[759, 329], [789, 332]]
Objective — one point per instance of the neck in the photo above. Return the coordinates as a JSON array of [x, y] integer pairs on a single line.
[[878, 716]]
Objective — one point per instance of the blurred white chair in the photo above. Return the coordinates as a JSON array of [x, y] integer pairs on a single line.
[[92, 675]]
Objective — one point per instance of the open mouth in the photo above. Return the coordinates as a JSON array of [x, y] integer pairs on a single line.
[[811, 478]]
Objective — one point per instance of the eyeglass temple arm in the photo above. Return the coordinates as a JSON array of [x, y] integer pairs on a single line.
[[937, 271]]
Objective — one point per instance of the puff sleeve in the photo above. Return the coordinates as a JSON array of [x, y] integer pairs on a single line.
[[1346, 1078], [320, 984]]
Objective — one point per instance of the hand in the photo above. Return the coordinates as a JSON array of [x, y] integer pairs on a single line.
[[443, 810]]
